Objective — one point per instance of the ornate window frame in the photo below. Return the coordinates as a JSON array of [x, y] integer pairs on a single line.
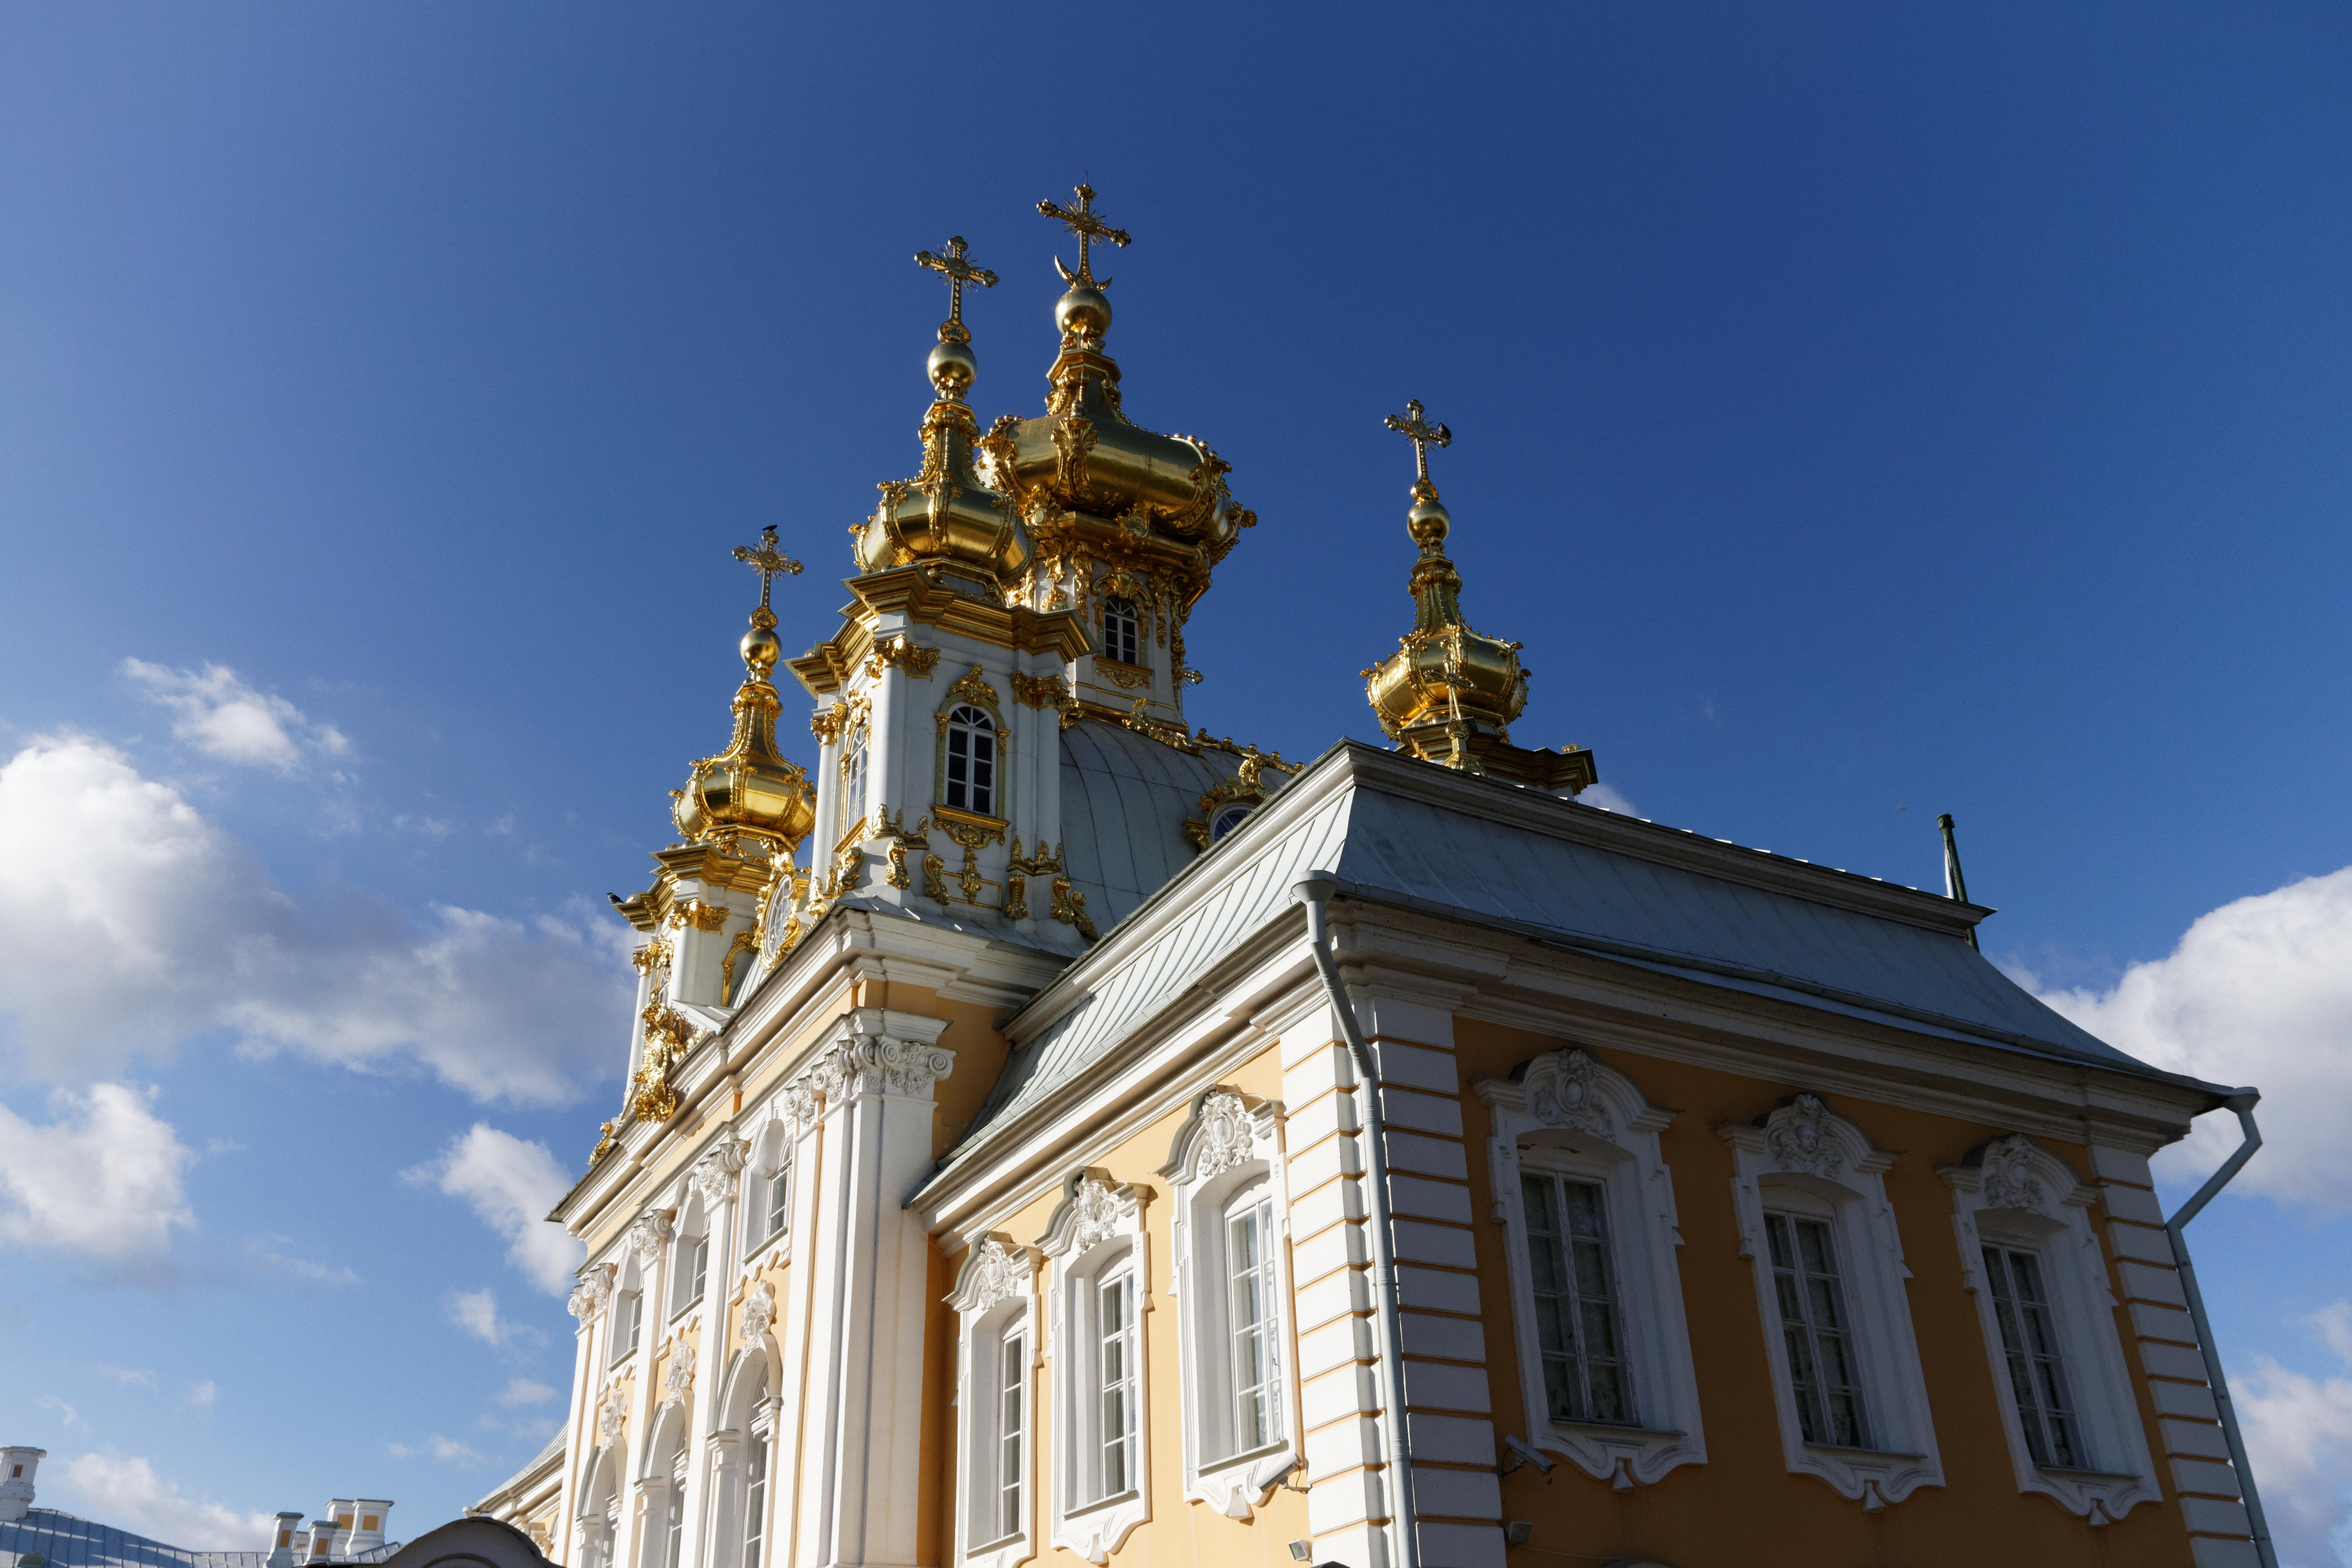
[[1097, 1230], [1139, 627], [2012, 1192], [995, 1296], [1826, 1167], [972, 690], [1566, 1112], [1232, 1142]]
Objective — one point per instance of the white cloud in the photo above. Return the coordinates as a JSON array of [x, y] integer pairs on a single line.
[[2258, 992], [1607, 799], [522, 1391], [2299, 1436], [448, 1450], [129, 1377], [263, 1250], [102, 1178], [201, 1394], [222, 717], [510, 1184], [68, 1417], [477, 1312], [127, 1493], [129, 923]]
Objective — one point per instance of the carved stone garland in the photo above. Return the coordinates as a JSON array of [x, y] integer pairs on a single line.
[[2008, 1180], [759, 1311], [1226, 1137], [997, 1271], [1561, 1092], [678, 1378]]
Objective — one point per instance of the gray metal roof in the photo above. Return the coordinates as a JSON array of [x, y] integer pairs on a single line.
[[1125, 797], [1526, 861], [71, 1542]]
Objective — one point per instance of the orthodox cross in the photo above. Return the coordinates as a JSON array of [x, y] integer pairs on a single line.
[[1422, 433], [1081, 221], [767, 561], [959, 272]]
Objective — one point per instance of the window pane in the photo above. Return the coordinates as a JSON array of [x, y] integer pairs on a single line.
[[1116, 1410], [2029, 1342], [1824, 1379], [1255, 1370], [1577, 1332], [1011, 1388]]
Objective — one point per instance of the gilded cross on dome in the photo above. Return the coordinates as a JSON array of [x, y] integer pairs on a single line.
[[1423, 436], [767, 561], [959, 271], [1081, 221]]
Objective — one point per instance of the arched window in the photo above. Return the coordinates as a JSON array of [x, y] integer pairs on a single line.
[[1226, 821], [972, 759], [1121, 632], [755, 1474], [853, 781]]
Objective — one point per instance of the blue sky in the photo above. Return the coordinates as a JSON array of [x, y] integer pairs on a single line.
[[1859, 414]]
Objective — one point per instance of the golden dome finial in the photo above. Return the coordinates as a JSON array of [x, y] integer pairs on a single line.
[[1084, 312], [1446, 693], [750, 790], [952, 367]]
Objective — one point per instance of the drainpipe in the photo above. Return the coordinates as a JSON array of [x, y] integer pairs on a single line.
[[1315, 891], [2242, 1102]]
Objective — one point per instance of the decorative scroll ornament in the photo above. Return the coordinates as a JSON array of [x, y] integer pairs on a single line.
[[759, 1311], [1070, 908], [1563, 1091], [1798, 1139], [901, 652], [1098, 1216], [588, 1297], [608, 1138], [679, 1376], [608, 1424], [668, 1037], [2008, 1181], [714, 1176], [997, 1271], [1226, 1137], [644, 1240], [903, 1067], [1040, 691]]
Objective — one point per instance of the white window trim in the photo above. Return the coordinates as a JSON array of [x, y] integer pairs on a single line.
[[1099, 1227], [1805, 1149], [2013, 1193], [682, 1272], [996, 1292], [1230, 1142], [1569, 1113]]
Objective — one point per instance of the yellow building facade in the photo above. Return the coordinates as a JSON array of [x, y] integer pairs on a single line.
[[1109, 1143]]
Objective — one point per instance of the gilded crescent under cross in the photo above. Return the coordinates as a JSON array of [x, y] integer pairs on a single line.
[[1081, 221]]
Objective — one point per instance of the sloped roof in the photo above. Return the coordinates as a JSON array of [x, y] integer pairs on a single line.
[[70, 1542], [1125, 797], [1410, 835]]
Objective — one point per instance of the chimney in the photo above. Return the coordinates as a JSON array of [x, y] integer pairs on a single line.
[[368, 1529], [283, 1537], [322, 1540], [17, 1467], [340, 1511]]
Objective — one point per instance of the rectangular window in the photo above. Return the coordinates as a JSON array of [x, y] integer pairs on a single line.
[[627, 1307], [675, 1537], [1116, 1384], [1012, 1400], [853, 785], [755, 1498], [1256, 1355], [700, 1275], [1119, 630], [1814, 1325], [2029, 1340], [779, 1199], [1577, 1329]]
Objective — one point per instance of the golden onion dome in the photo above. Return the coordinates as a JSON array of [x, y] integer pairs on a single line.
[[751, 790], [945, 513], [1446, 684], [1083, 453]]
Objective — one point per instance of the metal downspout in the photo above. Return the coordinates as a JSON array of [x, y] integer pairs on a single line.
[[2243, 1103], [1315, 891]]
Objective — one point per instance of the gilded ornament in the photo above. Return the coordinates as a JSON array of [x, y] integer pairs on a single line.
[[902, 653], [607, 1140], [1040, 691], [747, 941], [1017, 896], [1070, 908], [935, 886], [1125, 676]]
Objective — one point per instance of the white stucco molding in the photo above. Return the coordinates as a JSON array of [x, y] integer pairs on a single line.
[[713, 1177], [2012, 1192], [1231, 1141], [1567, 1113], [1097, 1226], [589, 1296], [1805, 1157], [995, 1294], [880, 1051]]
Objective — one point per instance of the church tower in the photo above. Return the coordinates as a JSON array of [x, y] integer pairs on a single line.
[[1112, 1144]]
